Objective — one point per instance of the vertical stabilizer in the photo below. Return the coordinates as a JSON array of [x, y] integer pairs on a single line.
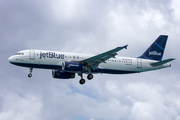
[[156, 50]]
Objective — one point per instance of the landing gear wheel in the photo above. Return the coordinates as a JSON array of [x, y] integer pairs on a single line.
[[82, 81], [30, 70], [29, 75], [90, 76]]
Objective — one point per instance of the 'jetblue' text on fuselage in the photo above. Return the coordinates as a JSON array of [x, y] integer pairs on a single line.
[[51, 55]]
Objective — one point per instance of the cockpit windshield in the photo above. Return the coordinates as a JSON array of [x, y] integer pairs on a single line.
[[19, 53]]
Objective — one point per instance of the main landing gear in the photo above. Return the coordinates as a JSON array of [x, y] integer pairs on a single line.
[[82, 81], [90, 76], [30, 74]]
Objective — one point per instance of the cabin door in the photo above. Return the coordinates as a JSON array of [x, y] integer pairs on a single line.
[[139, 63], [32, 55]]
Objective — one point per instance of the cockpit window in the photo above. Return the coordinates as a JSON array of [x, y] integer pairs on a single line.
[[19, 53]]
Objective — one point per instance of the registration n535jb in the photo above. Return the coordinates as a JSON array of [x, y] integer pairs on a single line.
[[65, 65]]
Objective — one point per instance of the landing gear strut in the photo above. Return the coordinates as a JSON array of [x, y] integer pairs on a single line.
[[30, 74], [90, 76]]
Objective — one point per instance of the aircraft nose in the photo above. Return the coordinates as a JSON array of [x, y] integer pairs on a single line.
[[10, 59]]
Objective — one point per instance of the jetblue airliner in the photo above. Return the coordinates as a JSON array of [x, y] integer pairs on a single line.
[[65, 65]]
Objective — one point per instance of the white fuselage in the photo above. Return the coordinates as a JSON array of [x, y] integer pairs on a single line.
[[53, 60]]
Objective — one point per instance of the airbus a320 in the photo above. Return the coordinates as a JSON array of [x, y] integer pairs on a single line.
[[66, 65]]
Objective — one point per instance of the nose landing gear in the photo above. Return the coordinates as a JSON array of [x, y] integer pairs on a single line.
[[30, 74]]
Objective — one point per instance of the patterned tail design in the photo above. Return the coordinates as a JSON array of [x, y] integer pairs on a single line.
[[156, 50]]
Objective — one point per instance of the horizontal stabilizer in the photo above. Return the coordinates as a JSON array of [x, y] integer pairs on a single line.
[[162, 62]]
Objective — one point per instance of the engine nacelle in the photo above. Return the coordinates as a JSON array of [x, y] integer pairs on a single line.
[[62, 75], [72, 67]]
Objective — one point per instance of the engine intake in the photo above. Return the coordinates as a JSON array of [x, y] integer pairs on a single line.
[[62, 75], [72, 66]]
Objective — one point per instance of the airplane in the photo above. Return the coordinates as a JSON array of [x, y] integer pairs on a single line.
[[65, 65]]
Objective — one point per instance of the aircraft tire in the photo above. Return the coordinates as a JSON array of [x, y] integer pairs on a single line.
[[29, 75], [82, 81], [90, 76]]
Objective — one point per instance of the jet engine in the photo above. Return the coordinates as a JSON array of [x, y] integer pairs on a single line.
[[73, 67], [62, 75]]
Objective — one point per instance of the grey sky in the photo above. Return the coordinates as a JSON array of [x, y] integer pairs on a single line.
[[89, 27]]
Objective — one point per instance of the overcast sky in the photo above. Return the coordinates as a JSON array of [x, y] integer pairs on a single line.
[[89, 26]]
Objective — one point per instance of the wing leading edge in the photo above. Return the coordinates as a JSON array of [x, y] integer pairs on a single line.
[[101, 58]]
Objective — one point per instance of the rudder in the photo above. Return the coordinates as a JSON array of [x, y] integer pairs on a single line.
[[156, 50]]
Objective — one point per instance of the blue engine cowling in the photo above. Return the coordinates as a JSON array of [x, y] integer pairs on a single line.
[[62, 75], [72, 67]]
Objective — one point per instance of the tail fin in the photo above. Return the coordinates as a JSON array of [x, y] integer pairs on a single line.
[[156, 50]]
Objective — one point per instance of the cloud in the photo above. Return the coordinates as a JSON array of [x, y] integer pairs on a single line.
[[88, 27]]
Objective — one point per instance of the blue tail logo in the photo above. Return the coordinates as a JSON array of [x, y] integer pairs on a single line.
[[156, 50]]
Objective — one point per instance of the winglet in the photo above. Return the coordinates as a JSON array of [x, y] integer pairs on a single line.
[[125, 46]]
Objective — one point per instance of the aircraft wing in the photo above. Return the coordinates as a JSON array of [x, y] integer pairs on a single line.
[[101, 58]]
